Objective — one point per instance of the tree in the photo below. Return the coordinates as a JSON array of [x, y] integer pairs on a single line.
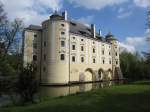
[[147, 54], [27, 84], [8, 34], [134, 67], [8, 63]]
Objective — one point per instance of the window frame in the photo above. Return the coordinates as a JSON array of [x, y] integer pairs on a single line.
[[73, 47], [62, 57], [73, 58], [82, 59], [62, 43]]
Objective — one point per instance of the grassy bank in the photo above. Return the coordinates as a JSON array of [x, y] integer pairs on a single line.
[[133, 97]]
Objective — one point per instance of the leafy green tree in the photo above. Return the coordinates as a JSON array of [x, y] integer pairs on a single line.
[[134, 67]]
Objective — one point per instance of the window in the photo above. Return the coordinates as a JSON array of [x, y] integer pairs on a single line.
[[62, 43], [73, 47], [62, 25], [116, 54], [82, 40], [34, 58], [103, 61], [34, 45], [82, 32], [109, 53], [44, 44], [44, 57], [82, 48], [62, 33], [93, 50], [72, 23], [35, 35], [93, 60], [82, 59], [73, 59], [62, 57], [109, 61], [44, 69], [103, 52], [116, 62]]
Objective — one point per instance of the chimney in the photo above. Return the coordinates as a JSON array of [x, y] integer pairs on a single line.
[[64, 14], [100, 32], [93, 30]]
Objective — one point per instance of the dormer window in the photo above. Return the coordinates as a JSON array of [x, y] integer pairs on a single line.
[[82, 32], [62, 25], [89, 29], [74, 24]]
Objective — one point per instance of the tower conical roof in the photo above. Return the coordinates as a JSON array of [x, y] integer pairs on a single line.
[[110, 36]]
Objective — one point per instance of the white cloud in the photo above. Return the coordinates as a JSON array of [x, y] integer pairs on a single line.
[[133, 44], [96, 4], [124, 15], [31, 11], [126, 47], [142, 3], [86, 20], [135, 41]]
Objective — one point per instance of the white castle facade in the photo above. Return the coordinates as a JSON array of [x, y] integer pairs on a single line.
[[69, 52]]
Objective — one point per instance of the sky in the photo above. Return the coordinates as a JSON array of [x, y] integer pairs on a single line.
[[126, 19]]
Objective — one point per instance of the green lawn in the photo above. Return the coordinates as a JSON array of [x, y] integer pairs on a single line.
[[133, 97]]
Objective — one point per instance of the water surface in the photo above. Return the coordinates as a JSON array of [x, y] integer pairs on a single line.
[[56, 91]]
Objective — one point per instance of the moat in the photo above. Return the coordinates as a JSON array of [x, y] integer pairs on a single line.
[[56, 91]]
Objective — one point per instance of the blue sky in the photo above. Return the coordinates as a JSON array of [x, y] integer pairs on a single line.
[[126, 19]]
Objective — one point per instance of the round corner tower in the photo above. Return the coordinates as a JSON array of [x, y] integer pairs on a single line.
[[55, 52]]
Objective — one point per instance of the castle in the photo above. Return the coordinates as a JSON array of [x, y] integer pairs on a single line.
[[67, 52]]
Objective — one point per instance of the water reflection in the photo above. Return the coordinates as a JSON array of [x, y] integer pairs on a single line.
[[49, 91]]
